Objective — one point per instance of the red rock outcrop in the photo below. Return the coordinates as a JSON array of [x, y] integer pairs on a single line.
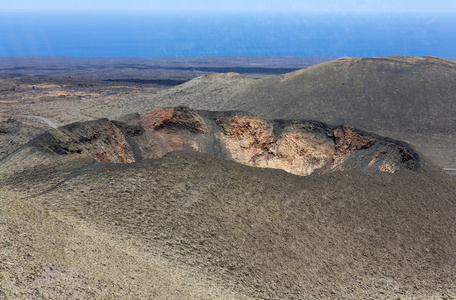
[[348, 142], [174, 117], [250, 140], [99, 139]]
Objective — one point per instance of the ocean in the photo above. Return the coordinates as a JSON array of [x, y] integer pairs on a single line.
[[211, 34]]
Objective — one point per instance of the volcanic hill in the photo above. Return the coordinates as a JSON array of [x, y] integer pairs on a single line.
[[176, 204], [408, 98]]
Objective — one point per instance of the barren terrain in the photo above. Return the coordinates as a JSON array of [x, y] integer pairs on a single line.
[[66, 90], [181, 204]]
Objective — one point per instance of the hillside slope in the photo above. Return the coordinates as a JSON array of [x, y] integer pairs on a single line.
[[78, 203], [409, 94], [256, 232], [47, 255]]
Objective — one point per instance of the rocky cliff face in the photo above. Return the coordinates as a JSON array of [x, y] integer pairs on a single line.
[[298, 147]]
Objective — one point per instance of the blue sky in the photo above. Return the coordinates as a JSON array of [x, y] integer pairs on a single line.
[[233, 5]]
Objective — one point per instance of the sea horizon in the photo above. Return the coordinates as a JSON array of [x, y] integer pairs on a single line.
[[145, 34]]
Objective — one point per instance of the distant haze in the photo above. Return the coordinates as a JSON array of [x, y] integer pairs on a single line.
[[234, 5]]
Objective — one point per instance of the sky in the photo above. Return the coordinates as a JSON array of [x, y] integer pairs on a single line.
[[233, 5]]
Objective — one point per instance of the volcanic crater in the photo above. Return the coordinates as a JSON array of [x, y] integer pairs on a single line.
[[299, 147]]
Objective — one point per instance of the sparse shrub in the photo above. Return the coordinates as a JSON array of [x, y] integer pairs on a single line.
[[342, 83], [396, 91], [33, 196], [2, 291], [421, 80], [88, 202], [95, 180]]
